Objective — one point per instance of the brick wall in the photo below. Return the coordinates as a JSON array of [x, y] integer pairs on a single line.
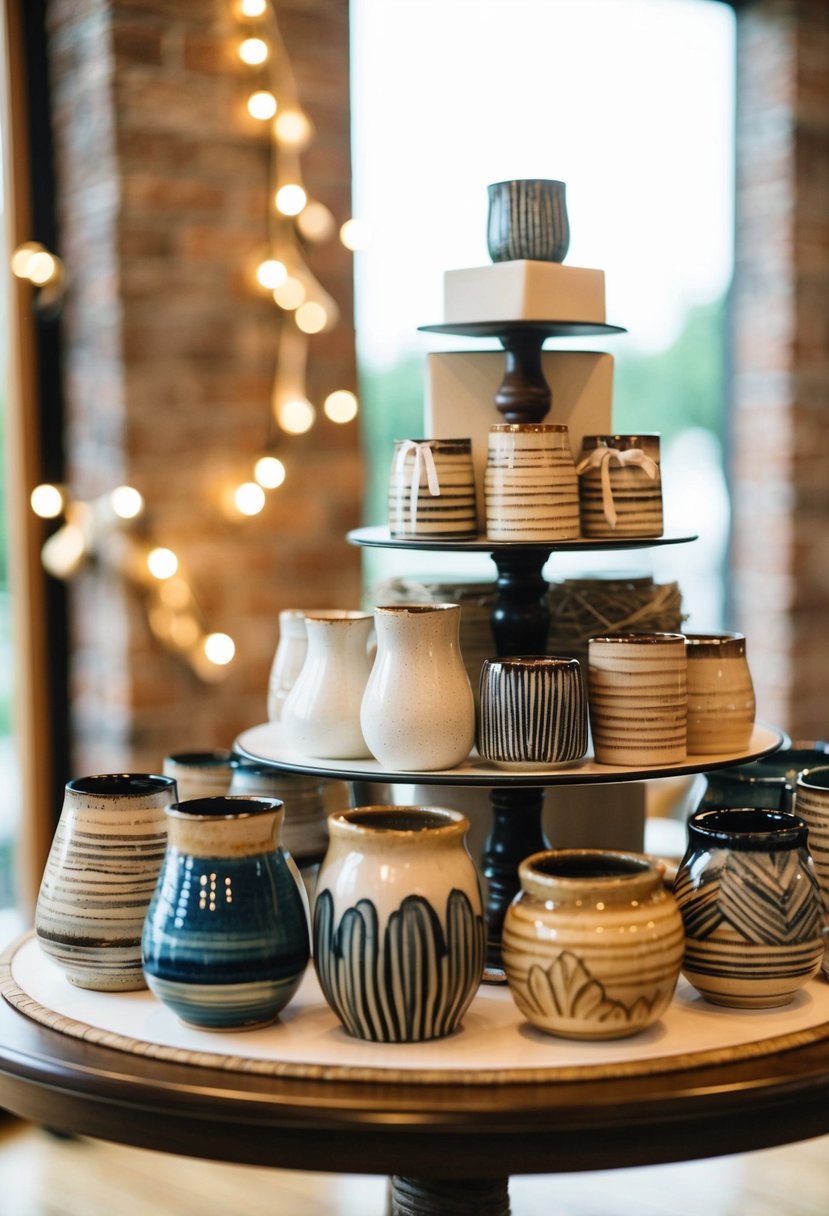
[[163, 181], [780, 441]]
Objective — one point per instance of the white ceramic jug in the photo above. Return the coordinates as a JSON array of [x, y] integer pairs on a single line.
[[418, 712]]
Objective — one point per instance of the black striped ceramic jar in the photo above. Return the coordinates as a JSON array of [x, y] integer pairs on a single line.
[[620, 486], [100, 876], [527, 219], [399, 934], [432, 489], [532, 711], [751, 907], [530, 484]]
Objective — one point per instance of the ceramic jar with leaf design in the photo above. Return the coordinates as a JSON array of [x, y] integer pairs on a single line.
[[399, 934], [751, 907], [592, 944]]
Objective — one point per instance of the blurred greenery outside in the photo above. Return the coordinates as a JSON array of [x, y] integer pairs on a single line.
[[668, 391]]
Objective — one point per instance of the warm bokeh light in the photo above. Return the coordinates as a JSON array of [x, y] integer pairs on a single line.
[[127, 503], [355, 234], [253, 8], [64, 552], [316, 223], [46, 501], [292, 127], [22, 256], [219, 648], [254, 51], [296, 416], [249, 498], [311, 317], [340, 406], [290, 199], [262, 105], [271, 273], [290, 294], [184, 630], [176, 593], [42, 268], [269, 471], [162, 563]]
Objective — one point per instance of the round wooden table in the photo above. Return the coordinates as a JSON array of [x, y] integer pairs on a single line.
[[459, 1143]]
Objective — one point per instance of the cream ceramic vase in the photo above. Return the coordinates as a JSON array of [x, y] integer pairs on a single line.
[[720, 693], [321, 714], [593, 944], [288, 659], [100, 876], [418, 711], [399, 933]]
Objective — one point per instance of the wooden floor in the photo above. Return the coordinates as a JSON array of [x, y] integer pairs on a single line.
[[41, 1175]]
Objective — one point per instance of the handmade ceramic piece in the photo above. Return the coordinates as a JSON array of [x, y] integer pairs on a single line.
[[100, 876], [751, 907], [593, 944], [768, 782], [418, 712], [321, 714], [620, 488], [288, 659], [200, 774], [638, 698], [226, 938], [432, 489], [530, 485], [720, 693], [528, 219], [532, 711], [812, 801], [304, 829], [399, 934]]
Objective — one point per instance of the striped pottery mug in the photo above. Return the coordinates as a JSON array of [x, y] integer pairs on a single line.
[[399, 934], [100, 876], [432, 489], [721, 699], [638, 698], [812, 806], [532, 711], [530, 485], [527, 218], [751, 907], [620, 488]]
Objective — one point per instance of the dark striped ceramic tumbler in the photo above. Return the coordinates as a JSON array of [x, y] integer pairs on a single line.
[[532, 711], [528, 219]]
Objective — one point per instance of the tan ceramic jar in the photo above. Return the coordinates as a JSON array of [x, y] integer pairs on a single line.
[[720, 693]]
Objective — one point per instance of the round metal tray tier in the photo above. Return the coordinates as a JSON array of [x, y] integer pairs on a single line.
[[379, 537]]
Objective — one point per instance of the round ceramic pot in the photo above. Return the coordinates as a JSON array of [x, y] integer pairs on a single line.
[[226, 938], [204, 774], [418, 711], [432, 489], [527, 218], [399, 933], [721, 700], [638, 698], [751, 906], [592, 945], [100, 875], [530, 485], [532, 711], [620, 489], [321, 714]]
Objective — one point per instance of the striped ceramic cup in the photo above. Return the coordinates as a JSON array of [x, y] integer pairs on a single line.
[[532, 711], [530, 484], [638, 698]]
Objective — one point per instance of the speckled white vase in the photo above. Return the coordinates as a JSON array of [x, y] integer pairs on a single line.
[[418, 711]]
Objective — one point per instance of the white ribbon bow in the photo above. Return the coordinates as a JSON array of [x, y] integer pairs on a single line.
[[602, 457], [423, 458]]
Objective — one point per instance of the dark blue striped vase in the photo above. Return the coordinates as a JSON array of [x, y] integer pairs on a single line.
[[528, 220], [226, 939], [399, 934], [751, 907]]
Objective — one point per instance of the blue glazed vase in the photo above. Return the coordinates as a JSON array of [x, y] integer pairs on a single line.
[[226, 938]]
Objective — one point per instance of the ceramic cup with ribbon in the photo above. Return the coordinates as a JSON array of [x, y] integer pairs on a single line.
[[530, 484], [100, 876], [527, 218], [226, 938], [532, 711], [721, 699], [620, 489], [751, 906], [399, 933], [432, 489]]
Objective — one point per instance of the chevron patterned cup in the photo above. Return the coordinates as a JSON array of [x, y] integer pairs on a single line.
[[751, 907], [527, 219], [532, 712]]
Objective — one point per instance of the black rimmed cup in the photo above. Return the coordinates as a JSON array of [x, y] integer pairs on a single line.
[[751, 907], [527, 219], [532, 711]]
